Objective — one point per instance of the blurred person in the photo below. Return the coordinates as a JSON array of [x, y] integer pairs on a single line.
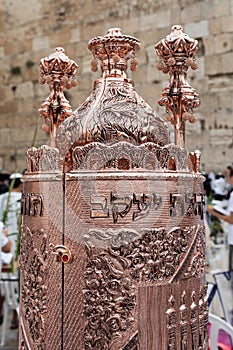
[[4, 182], [5, 241], [226, 216], [228, 188], [10, 214], [5, 255], [219, 186], [10, 208], [211, 177]]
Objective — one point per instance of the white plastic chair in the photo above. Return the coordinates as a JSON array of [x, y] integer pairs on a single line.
[[224, 282], [218, 324], [10, 290]]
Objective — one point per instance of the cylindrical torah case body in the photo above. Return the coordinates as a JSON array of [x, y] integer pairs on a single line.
[[113, 241]]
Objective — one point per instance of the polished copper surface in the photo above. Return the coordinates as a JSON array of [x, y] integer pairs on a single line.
[[114, 112], [58, 71], [113, 241], [176, 54]]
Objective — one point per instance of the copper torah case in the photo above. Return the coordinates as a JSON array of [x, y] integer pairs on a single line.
[[113, 241]]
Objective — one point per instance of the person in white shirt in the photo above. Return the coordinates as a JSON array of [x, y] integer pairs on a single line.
[[228, 218], [10, 210], [5, 241], [5, 244], [10, 214]]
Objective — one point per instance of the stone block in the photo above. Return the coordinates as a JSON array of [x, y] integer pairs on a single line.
[[1, 162], [220, 137], [32, 73], [149, 37], [191, 13], [6, 94], [148, 22], [222, 8], [215, 25], [201, 86], [227, 66], [25, 90], [129, 26], [209, 46], [2, 52], [223, 43], [213, 64], [197, 29], [227, 23], [59, 38], [89, 31], [5, 137], [41, 42], [8, 107], [25, 137], [74, 35], [164, 19], [23, 11]]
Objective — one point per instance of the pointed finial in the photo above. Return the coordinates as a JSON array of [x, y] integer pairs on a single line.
[[114, 50], [176, 54], [58, 71]]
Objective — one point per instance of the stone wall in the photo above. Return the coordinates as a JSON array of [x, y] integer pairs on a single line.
[[31, 30]]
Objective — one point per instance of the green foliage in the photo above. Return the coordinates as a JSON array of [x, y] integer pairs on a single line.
[[16, 70], [7, 207]]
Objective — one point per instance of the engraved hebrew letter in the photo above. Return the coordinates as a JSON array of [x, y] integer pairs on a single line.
[[176, 202], [157, 200], [100, 209], [143, 203], [120, 206]]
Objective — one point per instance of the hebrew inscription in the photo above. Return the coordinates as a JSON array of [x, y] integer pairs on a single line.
[[139, 205], [32, 204]]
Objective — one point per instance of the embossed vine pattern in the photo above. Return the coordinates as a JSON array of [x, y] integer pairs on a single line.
[[109, 302], [118, 256], [33, 266]]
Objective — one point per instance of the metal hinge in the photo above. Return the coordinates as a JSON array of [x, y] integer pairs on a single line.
[[61, 253]]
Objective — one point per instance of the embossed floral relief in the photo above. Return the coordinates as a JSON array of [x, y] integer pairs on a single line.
[[41, 159], [33, 267], [125, 259], [120, 115], [148, 156], [109, 303]]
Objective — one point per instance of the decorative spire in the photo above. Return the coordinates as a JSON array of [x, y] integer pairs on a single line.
[[114, 50], [58, 71], [176, 54]]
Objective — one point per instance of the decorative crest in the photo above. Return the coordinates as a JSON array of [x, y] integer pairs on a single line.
[[58, 71], [114, 50], [176, 54]]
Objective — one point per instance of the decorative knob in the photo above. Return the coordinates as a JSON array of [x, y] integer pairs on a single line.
[[114, 50], [58, 71], [61, 253], [176, 54]]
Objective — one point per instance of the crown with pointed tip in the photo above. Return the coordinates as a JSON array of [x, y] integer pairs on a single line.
[[114, 50], [177, 49], [58, 66]]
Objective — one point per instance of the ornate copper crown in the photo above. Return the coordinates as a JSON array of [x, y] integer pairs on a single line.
[[114, 50]]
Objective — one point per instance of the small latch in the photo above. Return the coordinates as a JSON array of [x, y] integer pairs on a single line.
[[61, 253]]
